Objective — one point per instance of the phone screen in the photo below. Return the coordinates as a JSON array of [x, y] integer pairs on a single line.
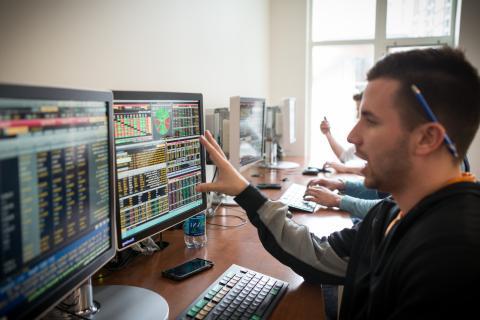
[[189, 267]]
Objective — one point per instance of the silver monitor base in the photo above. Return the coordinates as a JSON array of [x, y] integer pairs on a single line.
[[280, 165], [129, 302], [111, 302]]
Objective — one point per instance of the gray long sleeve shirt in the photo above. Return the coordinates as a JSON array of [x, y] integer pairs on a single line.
[[358, 199]]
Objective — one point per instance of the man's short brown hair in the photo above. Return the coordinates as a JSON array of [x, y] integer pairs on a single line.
[[358, 96], [449, 83]]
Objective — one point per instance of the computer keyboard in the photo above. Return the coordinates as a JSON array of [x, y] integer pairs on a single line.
[[239, 293], [293, 197]]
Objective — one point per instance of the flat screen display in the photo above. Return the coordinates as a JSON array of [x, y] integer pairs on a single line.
[[252, 113], [55, 194], [159, 161]]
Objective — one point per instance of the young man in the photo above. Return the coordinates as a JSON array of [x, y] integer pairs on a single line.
[[416, 255]]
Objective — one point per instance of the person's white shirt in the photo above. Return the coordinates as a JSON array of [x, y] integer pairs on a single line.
[[348, 155]]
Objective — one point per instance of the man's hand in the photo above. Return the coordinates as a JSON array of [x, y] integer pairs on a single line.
[[325, 126], [323, 196], [330, 184], [229, 180]]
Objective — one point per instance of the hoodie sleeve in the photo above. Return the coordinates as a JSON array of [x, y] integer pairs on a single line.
[[291, 243]]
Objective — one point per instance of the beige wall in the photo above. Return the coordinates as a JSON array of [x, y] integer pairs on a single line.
[[220, 48], [288, 52], [216, 47], [469, 41]]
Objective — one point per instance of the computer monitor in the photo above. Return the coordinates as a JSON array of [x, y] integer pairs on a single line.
[[56, 194], [159, 161], [285, 125], [246, 131], [280, 129]]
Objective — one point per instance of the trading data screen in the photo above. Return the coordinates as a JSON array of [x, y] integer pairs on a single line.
[[159, 163], [54, 195], [252, 113]]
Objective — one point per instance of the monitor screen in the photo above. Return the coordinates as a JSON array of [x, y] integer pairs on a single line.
[[246, 130], [56, 194], [159, 161]]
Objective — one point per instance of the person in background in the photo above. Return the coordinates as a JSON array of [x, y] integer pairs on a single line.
[[353, 197], [415, 255], [345, 155]]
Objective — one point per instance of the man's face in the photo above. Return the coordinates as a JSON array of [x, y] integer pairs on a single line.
[[380, 138]]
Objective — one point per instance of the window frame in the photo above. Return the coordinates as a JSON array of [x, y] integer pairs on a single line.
[[380, 43]]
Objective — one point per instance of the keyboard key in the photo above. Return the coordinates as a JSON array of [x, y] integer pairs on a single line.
[[263, 306]]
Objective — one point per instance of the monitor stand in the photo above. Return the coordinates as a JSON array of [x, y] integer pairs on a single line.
[[279, 165], [114, 302], [270, 161], [224, 199]]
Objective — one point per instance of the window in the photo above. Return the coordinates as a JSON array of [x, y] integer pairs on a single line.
[[347, 37], [418, 18], [344, 20]]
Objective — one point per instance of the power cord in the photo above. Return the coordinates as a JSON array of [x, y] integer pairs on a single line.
[[243, 221]]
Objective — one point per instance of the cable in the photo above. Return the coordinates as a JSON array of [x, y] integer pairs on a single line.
[[244, 221], [70, 314], [238, 210], [214, 173], [215, 209], [212, 212]]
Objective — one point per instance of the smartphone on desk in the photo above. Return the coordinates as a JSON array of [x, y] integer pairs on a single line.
[[187, 269]]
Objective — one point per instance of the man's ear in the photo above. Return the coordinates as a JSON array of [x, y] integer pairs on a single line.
[[428, 137]]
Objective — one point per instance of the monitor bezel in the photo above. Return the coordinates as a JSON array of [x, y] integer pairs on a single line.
[[53, 296], [122, 95]]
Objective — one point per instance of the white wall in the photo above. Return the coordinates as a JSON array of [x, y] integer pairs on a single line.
[[220, 48], [216, 47], [469, 41], [288, 45]]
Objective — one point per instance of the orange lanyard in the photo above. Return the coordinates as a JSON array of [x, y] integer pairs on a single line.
[[465, 177]]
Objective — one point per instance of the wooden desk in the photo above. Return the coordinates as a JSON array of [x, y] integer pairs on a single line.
[[227, 246]]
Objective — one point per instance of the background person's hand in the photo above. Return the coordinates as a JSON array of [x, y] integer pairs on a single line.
[[229, 180], [323, 196], [342, 168], [325, 126], [337, 166], [329, 183]]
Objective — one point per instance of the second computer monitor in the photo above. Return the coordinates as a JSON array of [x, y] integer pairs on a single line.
[[159, 161], [56, 194], [246, 131]]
